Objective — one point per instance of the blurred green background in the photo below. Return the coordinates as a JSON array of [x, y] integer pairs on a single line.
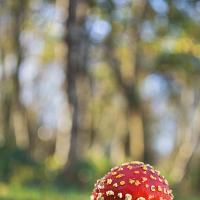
[[89, 84]]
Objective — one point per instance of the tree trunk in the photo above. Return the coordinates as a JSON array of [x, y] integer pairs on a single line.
[[71, 76], [13, 112]]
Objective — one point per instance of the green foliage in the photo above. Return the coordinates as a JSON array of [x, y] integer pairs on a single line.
[[18, 167], [178, 62], [10, 160], [23, 193], [83, 174]]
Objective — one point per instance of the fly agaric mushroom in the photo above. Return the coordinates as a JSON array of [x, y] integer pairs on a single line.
[[132, 181]]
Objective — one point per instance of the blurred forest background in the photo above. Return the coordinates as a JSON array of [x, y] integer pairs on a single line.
[[89, 84]]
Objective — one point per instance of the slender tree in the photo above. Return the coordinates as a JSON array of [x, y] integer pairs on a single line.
[[14, 119], [76, 43]]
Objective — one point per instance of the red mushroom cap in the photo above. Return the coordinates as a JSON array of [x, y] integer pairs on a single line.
[[132, 181]]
